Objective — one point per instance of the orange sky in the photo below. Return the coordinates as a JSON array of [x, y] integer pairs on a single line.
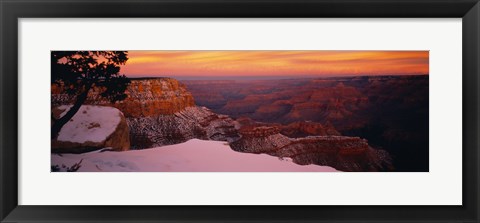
[[274, 63]]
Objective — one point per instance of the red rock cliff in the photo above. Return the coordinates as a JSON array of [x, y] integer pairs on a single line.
[[145, 98]]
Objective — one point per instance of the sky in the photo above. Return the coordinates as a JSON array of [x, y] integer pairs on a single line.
[[274, 63]]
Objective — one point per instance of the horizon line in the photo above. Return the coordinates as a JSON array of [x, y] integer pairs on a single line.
[[266, 76]]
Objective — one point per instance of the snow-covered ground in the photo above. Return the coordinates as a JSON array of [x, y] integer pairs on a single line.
[[192, 156]]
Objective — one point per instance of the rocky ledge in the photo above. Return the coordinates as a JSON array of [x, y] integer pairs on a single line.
[[340, 152], [190, 123]]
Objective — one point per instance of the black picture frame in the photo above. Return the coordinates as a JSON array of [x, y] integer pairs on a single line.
[[11, 11]]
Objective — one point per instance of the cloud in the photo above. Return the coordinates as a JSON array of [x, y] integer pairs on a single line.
[[216, 63]]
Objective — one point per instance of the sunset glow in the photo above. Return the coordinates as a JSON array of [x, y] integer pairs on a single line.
[[275, 63]]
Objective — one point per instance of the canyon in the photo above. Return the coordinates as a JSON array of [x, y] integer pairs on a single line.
[[391, 112], [327, 122]]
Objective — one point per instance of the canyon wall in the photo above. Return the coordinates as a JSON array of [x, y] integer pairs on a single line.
[[145, 98]]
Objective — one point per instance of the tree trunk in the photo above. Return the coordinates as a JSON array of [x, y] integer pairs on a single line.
[[59, 123]]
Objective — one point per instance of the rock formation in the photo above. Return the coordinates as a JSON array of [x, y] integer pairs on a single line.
[[145, 98], [192, 122], [340, 152], [303, 129], [92, 128], [160, 111]]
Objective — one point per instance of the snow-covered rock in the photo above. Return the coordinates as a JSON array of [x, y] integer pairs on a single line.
[[192, 156], [92, 128], [192, 122]]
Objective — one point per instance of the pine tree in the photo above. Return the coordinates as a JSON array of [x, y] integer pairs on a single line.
[[79, 71]]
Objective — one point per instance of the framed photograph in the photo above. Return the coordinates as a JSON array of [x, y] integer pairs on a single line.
[[248, 111]]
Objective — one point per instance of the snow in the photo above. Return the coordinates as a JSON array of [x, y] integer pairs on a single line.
[[192, 156], [90, 124]]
